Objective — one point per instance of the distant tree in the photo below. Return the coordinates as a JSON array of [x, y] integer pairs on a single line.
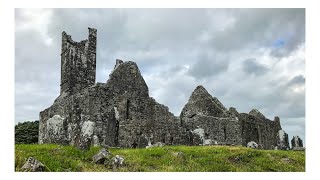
[[27, 132]]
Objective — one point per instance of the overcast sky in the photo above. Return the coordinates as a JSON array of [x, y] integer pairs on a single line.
[[247, 58]]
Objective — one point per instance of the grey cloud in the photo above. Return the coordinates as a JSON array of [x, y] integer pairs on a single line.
[[133, 29], [294, 108], [135, 34], [251, 66], [31, 97], [261, 28], [297, 80], [35, 85], [271, 96], [175, 93], [208, 65]]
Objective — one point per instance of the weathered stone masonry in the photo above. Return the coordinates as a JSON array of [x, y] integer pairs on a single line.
[[121, 113]]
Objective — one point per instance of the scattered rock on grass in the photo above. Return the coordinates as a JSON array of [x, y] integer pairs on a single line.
[[33, 165], [178, 154], [158, 144], [117, 161], [209, 142], [101, 156], [298, 149], [253, 145], [286, 160]]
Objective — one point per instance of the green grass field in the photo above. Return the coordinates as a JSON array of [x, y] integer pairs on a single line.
[[195, 159]]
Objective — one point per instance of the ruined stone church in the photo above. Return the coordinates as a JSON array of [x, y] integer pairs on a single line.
[[120, 112]]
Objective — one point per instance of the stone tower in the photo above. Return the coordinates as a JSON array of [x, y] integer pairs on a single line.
[[78, 62]]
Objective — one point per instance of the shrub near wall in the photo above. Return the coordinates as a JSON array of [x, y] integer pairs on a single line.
[[27, 132]]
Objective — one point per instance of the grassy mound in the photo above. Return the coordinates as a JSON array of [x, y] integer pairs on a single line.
[[195, 158]]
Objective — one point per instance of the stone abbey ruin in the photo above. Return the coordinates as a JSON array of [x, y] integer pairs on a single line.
[[120, 112]]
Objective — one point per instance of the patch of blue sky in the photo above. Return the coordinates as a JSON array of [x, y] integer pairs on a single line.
[[279, 43]]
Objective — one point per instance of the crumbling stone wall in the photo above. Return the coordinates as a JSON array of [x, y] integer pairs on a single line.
[[259, 129], [84, 115], [207, 112], [78, 62], [297, 143], [117, 113], [121, 113], [283, 140]]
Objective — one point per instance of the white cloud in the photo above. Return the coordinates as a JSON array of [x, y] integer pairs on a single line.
[[35, 20]]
